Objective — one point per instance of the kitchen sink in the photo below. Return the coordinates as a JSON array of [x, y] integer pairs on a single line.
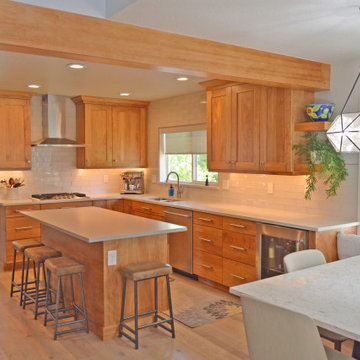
[[162, 199]]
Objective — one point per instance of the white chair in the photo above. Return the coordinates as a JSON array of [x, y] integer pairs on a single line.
[[274, 333], [304, 259], [348, 245]]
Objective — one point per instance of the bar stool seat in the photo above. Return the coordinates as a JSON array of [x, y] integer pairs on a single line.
[[146, 270], [143, 272], [60, 267], [40, 254], [19, 247]]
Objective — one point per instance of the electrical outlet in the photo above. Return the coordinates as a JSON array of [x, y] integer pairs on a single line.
[[153, 179], [270, 188], [112, 254], [226, 184], [106, 179]]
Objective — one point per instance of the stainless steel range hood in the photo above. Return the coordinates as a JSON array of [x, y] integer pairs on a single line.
[[54, 123]]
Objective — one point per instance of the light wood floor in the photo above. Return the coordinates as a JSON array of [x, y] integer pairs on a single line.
[[21, 337]]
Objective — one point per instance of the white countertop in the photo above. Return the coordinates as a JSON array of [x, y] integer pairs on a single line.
[[329, 294], [94, 224], [311, 222]]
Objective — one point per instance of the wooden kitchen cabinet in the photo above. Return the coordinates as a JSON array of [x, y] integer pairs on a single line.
[[15, 130], [251, 128], [114, 131]]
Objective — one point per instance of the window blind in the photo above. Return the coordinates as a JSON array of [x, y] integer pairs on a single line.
[[185, 142]]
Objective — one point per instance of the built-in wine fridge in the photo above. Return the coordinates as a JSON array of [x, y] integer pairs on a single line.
[[273, 243]]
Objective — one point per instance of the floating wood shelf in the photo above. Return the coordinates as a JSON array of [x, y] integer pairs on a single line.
[[313, 126]]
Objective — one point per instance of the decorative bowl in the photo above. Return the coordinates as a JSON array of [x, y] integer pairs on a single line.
[[319, 112]]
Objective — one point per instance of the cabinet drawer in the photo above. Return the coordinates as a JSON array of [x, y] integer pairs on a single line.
[[208, 219], [239, 247], [12, 211], [239, 225], [150, 209], [148, 216], [236, 273], [66, 205], [21, 228], [207, 239], [208, 265]]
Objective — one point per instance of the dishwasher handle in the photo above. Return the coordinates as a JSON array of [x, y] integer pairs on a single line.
[[177, 214]]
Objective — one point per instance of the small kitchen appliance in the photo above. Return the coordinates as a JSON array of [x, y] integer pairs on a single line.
[[132, 182]]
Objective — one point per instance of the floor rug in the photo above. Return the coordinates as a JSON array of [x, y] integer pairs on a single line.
[[199, 306]]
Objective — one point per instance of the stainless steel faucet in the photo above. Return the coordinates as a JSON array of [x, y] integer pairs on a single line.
[[179, 187]]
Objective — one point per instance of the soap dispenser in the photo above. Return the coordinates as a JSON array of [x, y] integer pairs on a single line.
[[171, 191]]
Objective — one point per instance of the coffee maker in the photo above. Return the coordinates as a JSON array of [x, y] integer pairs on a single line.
[[132, 182]]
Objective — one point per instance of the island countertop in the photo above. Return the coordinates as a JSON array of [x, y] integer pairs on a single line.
[[93, 224]]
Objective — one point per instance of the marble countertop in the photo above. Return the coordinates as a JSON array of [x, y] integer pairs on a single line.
[[311, 222], [328, 293], [94, 224]]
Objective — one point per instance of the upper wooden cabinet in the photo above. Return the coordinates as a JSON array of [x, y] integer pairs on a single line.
[[251, 128], [113, 130], [15, 130]]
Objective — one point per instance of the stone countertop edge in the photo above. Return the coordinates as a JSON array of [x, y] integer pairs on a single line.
[[199, 206], [90, 240]]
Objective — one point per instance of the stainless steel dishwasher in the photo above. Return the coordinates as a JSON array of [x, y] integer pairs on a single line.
[[180, 244]]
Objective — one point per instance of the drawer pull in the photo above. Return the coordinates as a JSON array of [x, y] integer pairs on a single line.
[[146, 208], [206, 240], [177, 214], [238, 248], [207, 267], [238, 277], [24, 228], [204, 219], [238, 226]]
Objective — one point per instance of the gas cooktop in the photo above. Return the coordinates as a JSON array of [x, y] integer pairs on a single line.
[[59, 196]]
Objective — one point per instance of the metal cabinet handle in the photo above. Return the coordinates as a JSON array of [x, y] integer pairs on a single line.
[[238, 277], [238, 248], [206, 240], [114, 160], [207, 267], [23, 228], [29, 161], [207, 220], [177, 214], [238, 226], [298, 242], [146, 208]]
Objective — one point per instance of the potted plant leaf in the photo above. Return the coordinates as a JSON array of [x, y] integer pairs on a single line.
[[332, 170]]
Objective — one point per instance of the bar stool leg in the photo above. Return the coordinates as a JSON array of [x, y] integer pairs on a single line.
[[83, 301], [26, 282], [37, 282], [57, 306], [13, 274], [156, 300], [62, 296], [22, 278], [122, 307], [170, 306], [136, 315], [47, 297]]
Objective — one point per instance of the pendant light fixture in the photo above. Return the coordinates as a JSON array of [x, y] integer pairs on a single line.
[[344, 132]]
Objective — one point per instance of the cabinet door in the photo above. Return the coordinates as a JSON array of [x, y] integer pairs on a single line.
[[15, 138], [276, 132], [219, 133], [98, 136], [247, 109], [129, 136]]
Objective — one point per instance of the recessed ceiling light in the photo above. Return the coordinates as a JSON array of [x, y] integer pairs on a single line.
[[124, 94], [76, 66], [182, 78], [33, 86]]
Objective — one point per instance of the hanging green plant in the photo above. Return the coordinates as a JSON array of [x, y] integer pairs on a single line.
[[333, 169]]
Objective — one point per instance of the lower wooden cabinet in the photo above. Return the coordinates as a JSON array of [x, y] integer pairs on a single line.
[[236, 273], [208, 265]]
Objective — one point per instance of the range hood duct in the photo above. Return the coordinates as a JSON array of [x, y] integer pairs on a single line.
[[54, 123]]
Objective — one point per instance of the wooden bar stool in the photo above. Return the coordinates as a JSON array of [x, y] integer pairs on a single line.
[[141, 272], [38, 255], [59, 267], [19, 247]]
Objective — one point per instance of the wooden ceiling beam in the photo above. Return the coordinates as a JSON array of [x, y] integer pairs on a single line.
[[41, 31]]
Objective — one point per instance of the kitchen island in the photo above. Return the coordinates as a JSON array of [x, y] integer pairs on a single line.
[[105, 240]]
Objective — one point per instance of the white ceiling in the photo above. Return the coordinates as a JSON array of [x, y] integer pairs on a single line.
[[19, 70], [322, 30]]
